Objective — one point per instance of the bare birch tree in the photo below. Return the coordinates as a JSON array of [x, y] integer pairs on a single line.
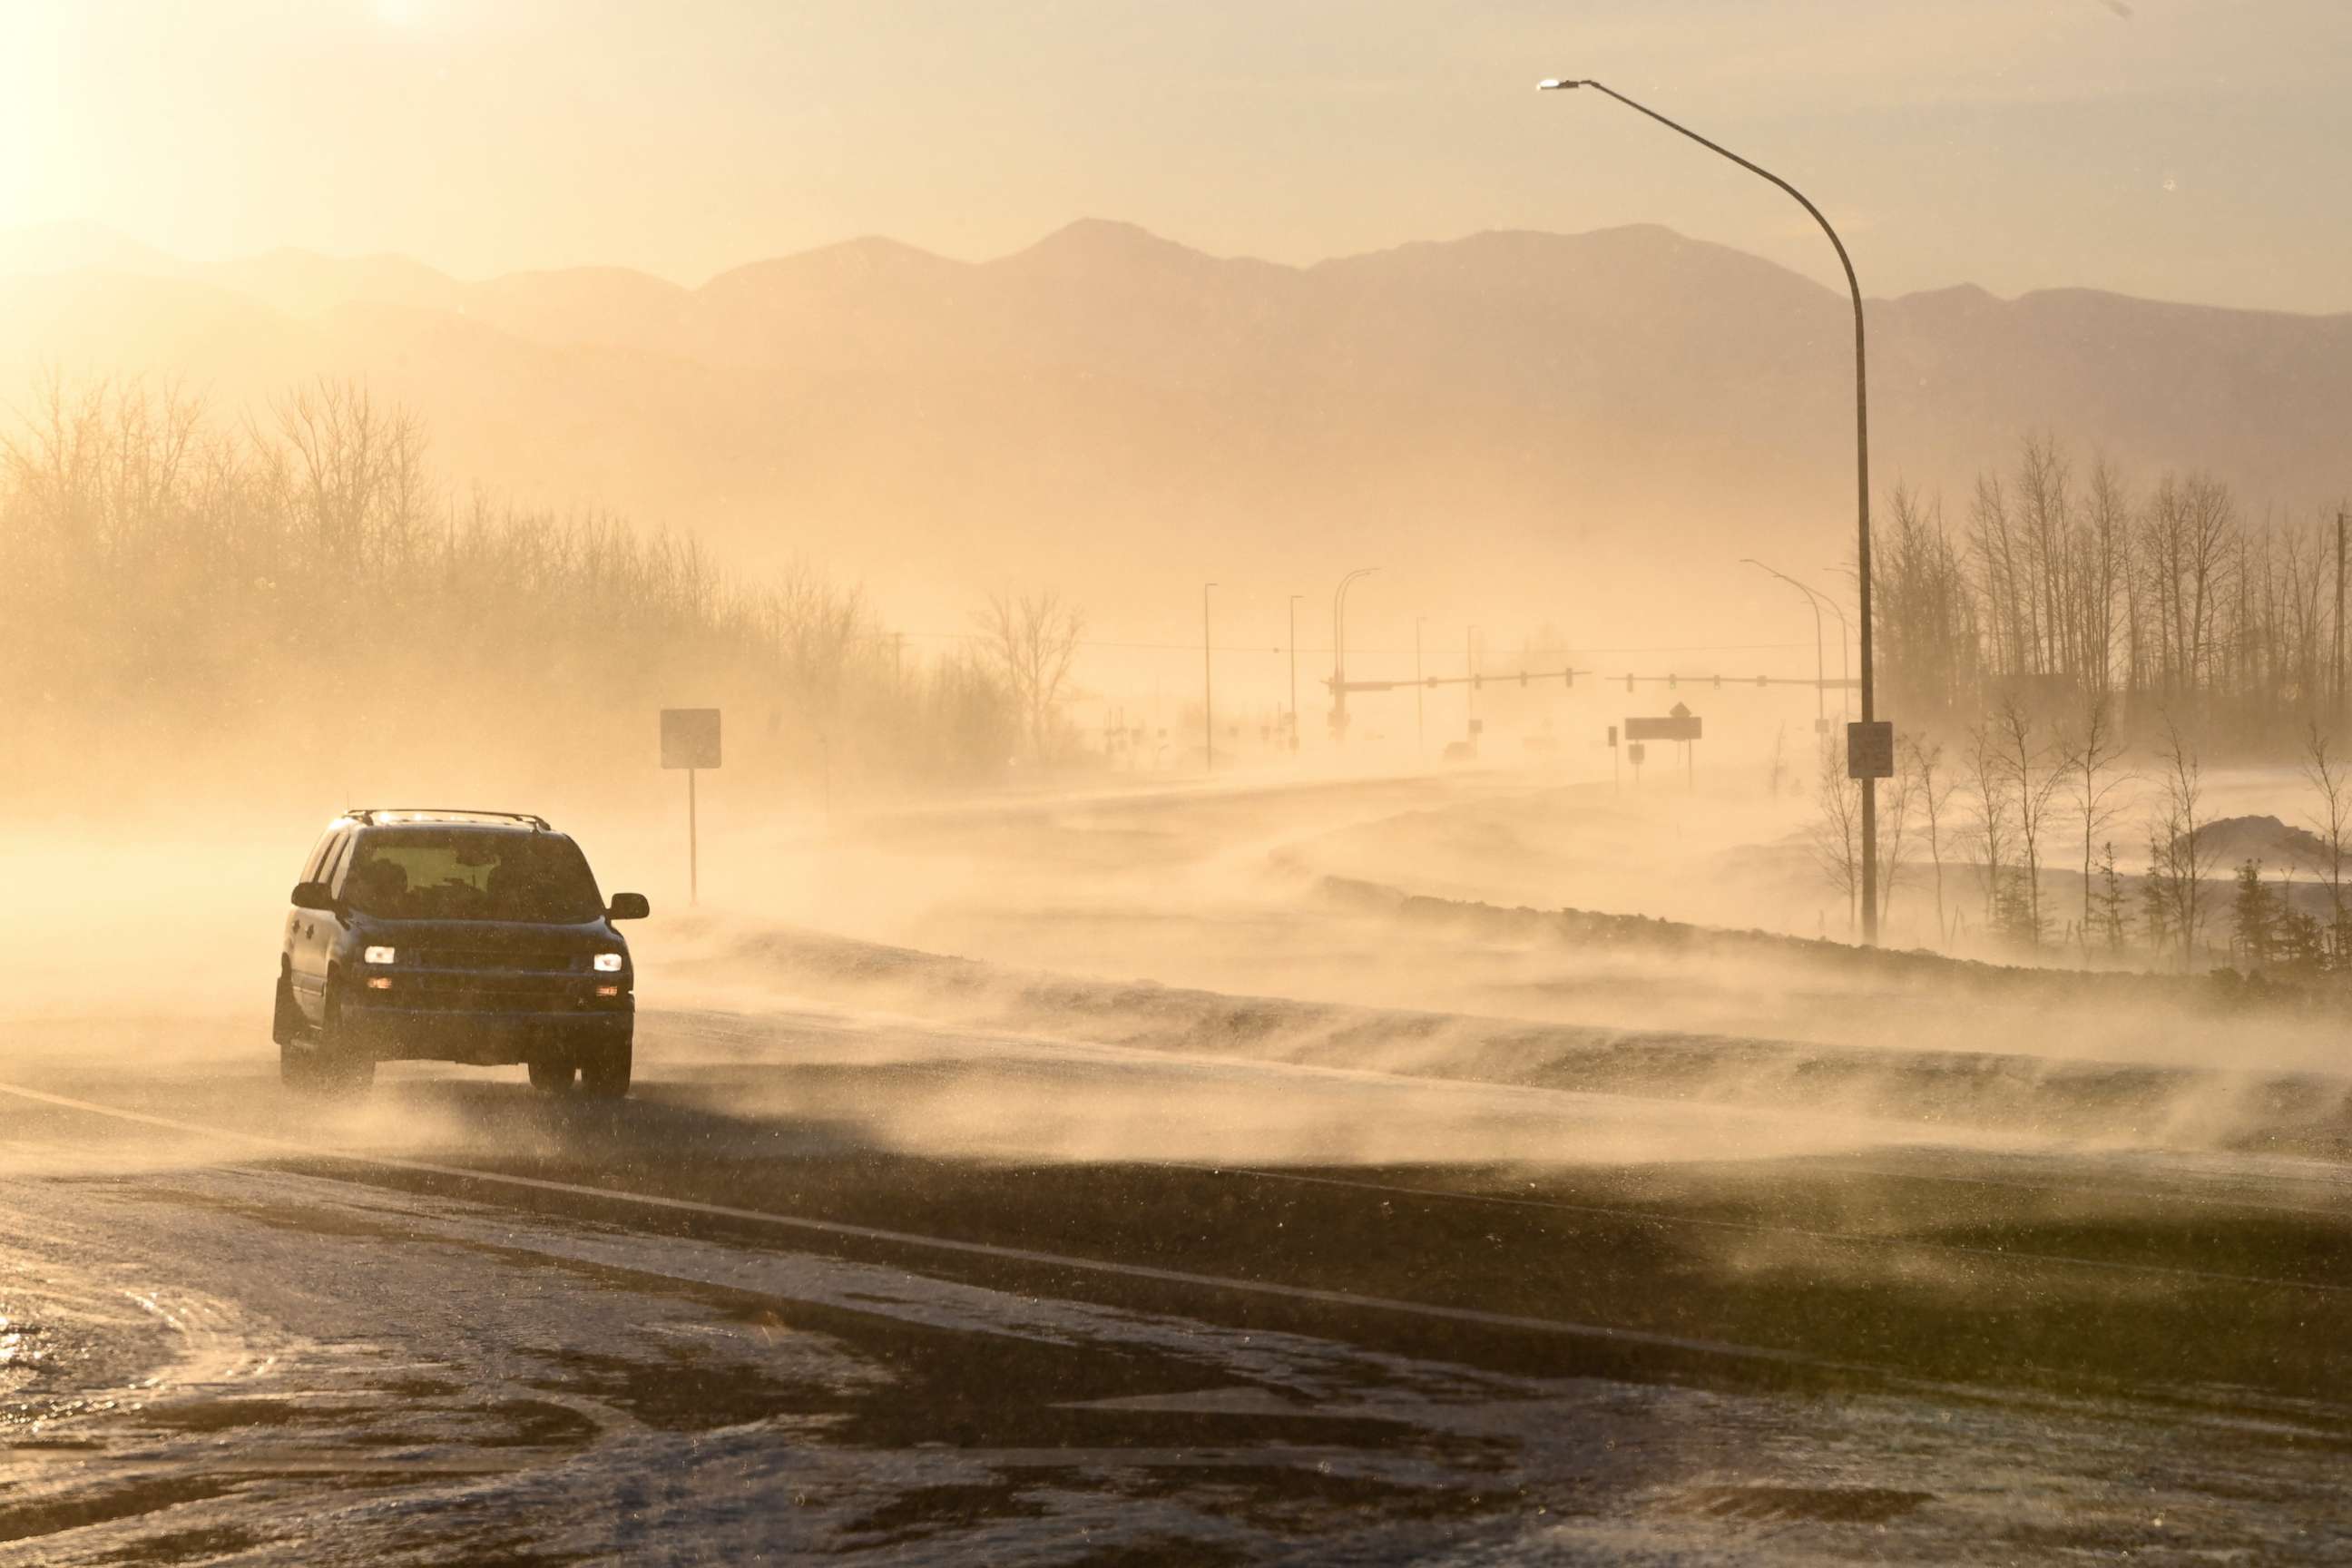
[[1835, 833], [1033, 637], [2091, 749], [2331, 780], [1931, 787]]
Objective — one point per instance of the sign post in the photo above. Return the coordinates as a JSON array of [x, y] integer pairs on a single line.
[[689, 740], [1679, 724]]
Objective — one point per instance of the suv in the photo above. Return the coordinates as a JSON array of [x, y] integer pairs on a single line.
[[457, 936]]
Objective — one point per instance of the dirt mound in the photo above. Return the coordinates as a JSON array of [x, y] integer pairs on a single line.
[[2233, 839]]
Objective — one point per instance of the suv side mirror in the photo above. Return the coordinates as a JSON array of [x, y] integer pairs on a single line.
[[313, 896], [629, 907]]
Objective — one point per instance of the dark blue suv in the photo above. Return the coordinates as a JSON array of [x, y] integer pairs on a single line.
[[454, 936]]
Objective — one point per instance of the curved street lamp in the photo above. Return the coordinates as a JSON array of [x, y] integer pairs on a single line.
[[1861, 457], [1339, 652], [1813, 601], [1208, 691]]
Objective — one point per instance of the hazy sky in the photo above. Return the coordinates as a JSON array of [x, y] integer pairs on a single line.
[[2187, 149]]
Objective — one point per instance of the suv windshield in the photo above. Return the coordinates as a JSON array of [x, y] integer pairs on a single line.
[[424, 873]]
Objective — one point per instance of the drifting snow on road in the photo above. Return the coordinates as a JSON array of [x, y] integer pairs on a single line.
[[899, 1256]]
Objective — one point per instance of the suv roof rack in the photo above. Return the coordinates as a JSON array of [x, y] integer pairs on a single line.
[[376, 816]]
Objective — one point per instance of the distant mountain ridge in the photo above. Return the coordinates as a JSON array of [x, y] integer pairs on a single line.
[[1113, 406]]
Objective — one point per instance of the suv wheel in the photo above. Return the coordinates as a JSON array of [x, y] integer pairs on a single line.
[[297, 1067], [338, 1067], [285, 1018], [605, 1075], [553, 1076]]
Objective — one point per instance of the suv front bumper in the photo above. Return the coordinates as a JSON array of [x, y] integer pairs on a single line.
[[388, 1031]]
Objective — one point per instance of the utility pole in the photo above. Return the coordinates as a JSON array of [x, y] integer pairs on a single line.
[[1208, 716], [1420, 695], [1470, 673], [1294, 669]]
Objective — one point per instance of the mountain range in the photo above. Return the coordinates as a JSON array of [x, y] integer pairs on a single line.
[[1555, 424]]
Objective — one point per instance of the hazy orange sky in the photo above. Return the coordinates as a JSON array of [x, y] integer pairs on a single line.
[[2163, 147]]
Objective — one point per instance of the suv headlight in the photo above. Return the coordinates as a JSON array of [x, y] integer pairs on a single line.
[[608, 963], [380, 954]]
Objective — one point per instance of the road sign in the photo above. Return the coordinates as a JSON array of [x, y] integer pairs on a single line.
[[1613, 735], [689, 737], [1634, 753], [689, 740], [1680, 725], [1870, 749]]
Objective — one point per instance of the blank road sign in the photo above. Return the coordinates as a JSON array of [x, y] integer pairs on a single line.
[[689, 737], [1870, 749]]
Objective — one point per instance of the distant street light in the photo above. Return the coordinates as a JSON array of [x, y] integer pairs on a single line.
[[1294, 669], [1845, 634], [1419, 708], [1861, 463], [1813, 601], [1208, 713], [1339, 652], [1469, 683]]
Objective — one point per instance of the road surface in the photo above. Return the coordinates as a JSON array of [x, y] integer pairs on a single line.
[[746, 1313]]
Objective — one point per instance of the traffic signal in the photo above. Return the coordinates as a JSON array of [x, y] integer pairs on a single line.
[[1571, 679], [1628, 685]]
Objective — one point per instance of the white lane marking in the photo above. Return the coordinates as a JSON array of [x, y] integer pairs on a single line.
[[1470, 1315], [1756, 1227]]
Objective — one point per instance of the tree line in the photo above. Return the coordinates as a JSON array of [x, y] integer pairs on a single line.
[[2069, 580], [181, 584]]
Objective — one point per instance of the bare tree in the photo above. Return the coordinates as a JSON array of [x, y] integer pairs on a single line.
[[2183, 856], [1835, 834], [2090, 751], [2331, 779], [1894, 803], [1931, 788], [2036, 779], [1988, 784], [1033, 637]]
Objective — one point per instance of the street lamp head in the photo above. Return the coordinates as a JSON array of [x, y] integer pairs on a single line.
[[1560, 84]]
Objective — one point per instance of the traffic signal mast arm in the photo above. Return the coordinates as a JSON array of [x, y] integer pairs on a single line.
[[1569, 678]]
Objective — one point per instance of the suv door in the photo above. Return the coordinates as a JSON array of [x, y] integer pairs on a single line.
[[311, 935]]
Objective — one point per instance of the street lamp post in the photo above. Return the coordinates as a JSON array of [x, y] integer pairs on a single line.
[[1845, 635], [1208, 713], [1294, 669], [1813, 602], [1861, 464], [1339, 652], [1420, 695], [1470, 686]]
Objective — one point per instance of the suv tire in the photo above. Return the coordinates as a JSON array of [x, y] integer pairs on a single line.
[[605, 1074], [553, 1076], [297, 1066], [337, 1068]]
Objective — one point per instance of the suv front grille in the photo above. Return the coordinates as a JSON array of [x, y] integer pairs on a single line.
[[510, 962]]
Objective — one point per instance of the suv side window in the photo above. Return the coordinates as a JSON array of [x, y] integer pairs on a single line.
[[338, 860], [318, 859]]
